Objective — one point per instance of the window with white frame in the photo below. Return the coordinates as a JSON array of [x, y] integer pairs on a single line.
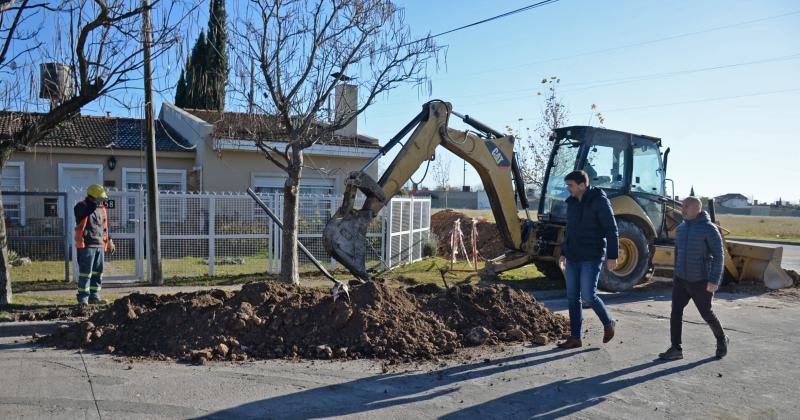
[[169, 180], [14, 180]]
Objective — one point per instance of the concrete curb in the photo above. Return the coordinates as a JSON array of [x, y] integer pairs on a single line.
[[28, 328]]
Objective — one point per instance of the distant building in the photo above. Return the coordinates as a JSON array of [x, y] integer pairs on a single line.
[[732, 201]]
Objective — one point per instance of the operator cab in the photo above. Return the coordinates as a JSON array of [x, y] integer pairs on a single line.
[[618, 162]]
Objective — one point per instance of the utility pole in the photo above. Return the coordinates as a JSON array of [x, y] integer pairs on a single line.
[[153, 220], [464, 177]]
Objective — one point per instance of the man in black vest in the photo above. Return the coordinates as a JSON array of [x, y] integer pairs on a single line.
[[591, 229]]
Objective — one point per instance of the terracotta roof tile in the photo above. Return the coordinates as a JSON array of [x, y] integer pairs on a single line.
[[243, 126], [93, 132]]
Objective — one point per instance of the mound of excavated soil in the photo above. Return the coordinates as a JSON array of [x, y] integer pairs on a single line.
[[268, 320], [490, 244]]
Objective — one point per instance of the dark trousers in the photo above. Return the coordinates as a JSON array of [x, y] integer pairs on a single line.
[[682, 292]]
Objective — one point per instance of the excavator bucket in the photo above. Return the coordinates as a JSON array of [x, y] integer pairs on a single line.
[[345, 239], [747, 261], [345, 235]]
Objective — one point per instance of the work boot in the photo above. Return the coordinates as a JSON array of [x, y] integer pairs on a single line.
[[608, 331], [570, 343], [671, 354], [722, 346], [97, 301]]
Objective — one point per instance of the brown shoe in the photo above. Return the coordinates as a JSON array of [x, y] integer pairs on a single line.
[[608, 331], [570, 343]]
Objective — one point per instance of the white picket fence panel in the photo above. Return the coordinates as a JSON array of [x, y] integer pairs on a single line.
[[228, 234]]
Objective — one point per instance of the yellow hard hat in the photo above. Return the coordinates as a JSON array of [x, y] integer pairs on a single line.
[[97, 192]]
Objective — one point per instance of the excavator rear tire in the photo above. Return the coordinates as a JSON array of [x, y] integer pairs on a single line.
[[634, 261]]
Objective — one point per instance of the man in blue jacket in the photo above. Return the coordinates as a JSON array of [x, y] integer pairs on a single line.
[[591, 229], [699, 262]]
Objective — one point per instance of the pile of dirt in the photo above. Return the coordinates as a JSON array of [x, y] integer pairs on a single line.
[[61, 313], [490, 243], [268, 320]]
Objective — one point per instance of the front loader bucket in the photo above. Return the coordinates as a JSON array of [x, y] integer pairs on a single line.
[[757, 262]]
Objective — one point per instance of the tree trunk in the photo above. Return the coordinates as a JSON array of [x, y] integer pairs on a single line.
[[5, 277], [291, 209]]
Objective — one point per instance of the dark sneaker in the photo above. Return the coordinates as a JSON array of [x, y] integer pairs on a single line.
[[671, 354], [722, 346], [97, 301], [570, 343], [608, 331]]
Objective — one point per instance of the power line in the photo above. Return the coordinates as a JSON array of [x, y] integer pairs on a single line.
[[625, 46], [593, 84], [500, 16], [697, 101]]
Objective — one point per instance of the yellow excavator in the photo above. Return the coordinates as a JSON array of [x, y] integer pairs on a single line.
[[630, 168]]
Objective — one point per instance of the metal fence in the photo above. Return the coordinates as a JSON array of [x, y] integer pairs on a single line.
[[228, 234], [38, 234]]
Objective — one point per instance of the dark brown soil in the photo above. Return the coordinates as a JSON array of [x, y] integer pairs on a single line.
[[268, 320], [490, 244], [70, 312]]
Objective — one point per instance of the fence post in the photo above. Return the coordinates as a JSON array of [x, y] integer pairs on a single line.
[[138, 212], [212, 212], [388, 234], [333, 208], [69, 216], [67, 248], [411, 244], [146, 233]]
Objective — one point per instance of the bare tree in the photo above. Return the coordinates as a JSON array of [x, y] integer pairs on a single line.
[[303, 50], [441, 174], [99, 41], [533, 146]]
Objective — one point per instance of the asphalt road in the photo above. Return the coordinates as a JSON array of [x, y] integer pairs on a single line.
[[620, 380]]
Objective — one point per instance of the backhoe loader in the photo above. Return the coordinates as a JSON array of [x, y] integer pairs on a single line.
[[630, 168]]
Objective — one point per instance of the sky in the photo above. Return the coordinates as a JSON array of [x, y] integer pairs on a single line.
[[717, 81]]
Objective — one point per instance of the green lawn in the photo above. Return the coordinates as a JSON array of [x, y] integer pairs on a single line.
[[762, 227], [772, 228], [427, 271]]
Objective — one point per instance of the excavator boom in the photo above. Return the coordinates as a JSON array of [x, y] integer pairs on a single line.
[[492, 156]]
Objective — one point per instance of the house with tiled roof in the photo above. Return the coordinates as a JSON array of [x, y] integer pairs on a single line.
[[197, 150], [733, 201], [229, 159]]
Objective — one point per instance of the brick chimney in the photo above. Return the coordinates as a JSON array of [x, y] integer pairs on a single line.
[[346, 96]]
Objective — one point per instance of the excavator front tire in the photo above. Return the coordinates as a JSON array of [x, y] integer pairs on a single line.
[[633, 263]]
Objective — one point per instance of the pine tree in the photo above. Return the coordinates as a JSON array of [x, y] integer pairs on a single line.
[[217, 56], [180, 91], [196, 75]]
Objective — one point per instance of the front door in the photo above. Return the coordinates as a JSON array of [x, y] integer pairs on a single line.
[[75, 178]]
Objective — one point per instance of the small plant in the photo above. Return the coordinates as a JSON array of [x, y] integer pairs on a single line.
[[13, 258], [429, 247]]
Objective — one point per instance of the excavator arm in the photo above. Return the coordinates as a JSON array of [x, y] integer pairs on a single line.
[[492, 157]]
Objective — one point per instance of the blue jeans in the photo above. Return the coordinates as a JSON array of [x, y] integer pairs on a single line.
[[582, 277], [90, 273]]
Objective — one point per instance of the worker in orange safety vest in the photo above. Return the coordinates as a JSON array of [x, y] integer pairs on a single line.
[[91, 242]]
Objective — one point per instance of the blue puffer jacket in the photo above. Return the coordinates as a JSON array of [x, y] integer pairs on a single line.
[[698, 251], [591, 228]]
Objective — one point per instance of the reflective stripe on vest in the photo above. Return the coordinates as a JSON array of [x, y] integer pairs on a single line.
[[80, 229]]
